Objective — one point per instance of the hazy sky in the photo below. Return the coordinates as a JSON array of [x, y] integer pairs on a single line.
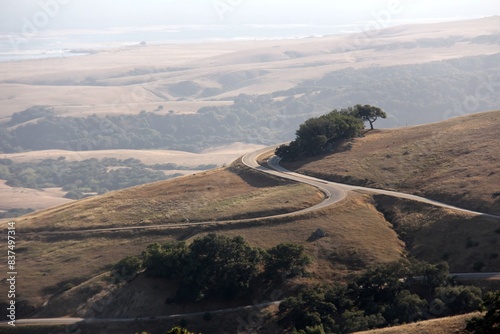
[[102, 14], [22, 16]]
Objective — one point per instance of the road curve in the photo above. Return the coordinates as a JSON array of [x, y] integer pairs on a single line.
[[334, 191]]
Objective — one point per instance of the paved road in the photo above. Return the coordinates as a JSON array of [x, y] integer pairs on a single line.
[[334, 192], [479, 276], [337, 191], [72, 321]]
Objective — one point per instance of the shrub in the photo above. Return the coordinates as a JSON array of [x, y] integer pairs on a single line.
[[460, 299], [286, 261], [127, 268], [490, 322], [478, 266]]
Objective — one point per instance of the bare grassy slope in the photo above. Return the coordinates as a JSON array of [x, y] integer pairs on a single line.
[[13, 198], [451, 325], [434, 234], [62, 269], [51, 262], [214, 195], [353, 242], [37, 199], [456, 161]]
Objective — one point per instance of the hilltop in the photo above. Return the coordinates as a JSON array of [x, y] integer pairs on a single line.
[[455, 161]]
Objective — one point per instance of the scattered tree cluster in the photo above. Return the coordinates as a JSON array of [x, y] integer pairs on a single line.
[[87, 176], [392, 294], [79, 177], [216, 266], [417, 93], [490, 322], [175, 330], [12, 213], [319, 135]]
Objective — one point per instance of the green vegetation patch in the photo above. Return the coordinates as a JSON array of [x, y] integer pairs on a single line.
[[216, 266], [395, 293], [319, 135], [88, 176]]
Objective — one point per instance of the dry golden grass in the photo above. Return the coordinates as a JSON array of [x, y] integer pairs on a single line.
[[13, 198], [434, 234], [456, 161], [219, 194], [218, 155], [450, 325], [39, 199], [357, 237], [47, 263]]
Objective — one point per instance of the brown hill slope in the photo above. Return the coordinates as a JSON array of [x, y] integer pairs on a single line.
[[455, 161], [468, 243], [450, 325], [215, 195], [64, 274]]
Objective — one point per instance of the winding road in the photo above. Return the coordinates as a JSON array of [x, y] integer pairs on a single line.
[[334, 192]]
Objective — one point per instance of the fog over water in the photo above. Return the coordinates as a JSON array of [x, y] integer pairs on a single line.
[[55, 28]]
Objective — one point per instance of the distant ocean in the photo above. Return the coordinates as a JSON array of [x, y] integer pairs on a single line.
[[67, 43]]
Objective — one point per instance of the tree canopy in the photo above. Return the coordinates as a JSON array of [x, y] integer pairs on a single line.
[[319, 135], [490, 322], [217, 266], [394, 293], [368, 113], [287, 260]]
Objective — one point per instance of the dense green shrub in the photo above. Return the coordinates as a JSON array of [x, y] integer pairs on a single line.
[[216, 266]]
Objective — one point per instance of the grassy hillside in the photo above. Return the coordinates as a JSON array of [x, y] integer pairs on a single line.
[[468, 243], [220, 194], [455, 161], [358, 237], [449, 325], [68, 269], [68, 274]]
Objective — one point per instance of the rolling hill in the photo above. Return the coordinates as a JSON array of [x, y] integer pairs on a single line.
[[65, 253], [454, 161], [361, 231]]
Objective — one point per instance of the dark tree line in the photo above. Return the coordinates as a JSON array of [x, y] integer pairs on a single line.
[[392, 294], [211, 126], [78, 177], [490, 322], [216, 266], [415, 94]]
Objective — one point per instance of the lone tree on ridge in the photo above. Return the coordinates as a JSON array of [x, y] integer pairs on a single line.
[[368, 113]]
